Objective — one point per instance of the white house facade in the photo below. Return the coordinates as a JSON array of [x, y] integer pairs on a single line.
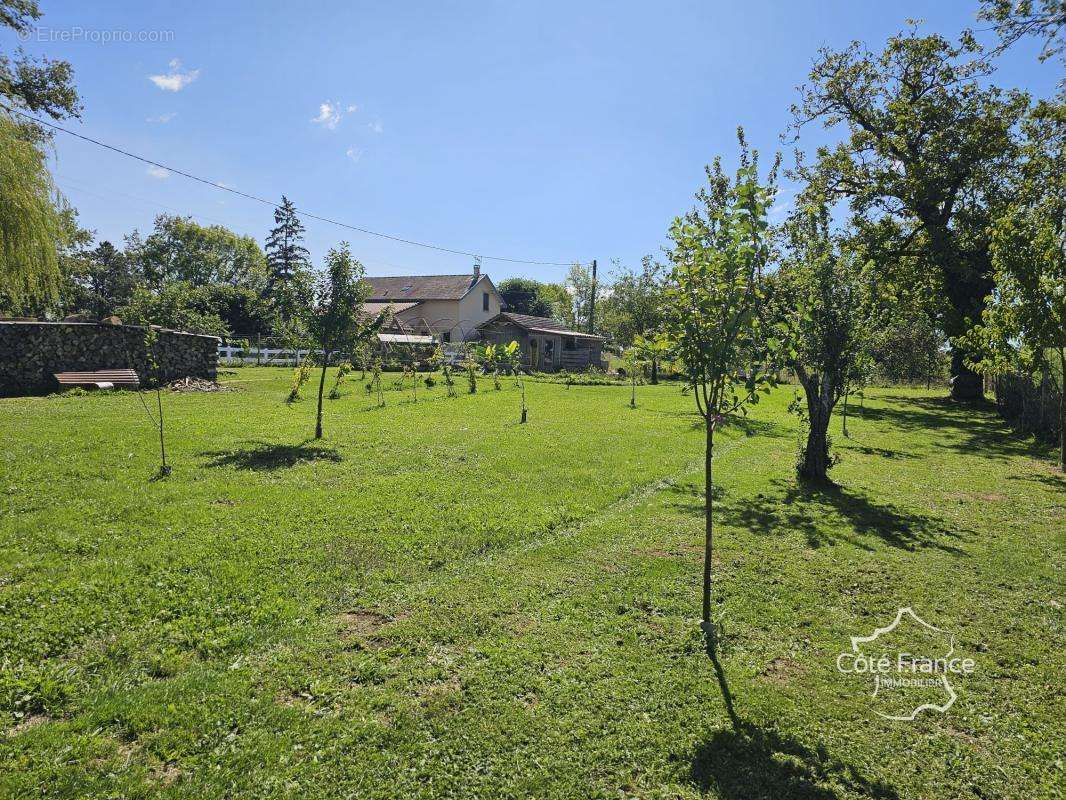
[[449, 307]]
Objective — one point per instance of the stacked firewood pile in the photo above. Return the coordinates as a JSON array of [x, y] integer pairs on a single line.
[[198, 385]]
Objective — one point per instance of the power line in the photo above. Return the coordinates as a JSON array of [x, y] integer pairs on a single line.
[[79, 186], [272, 204]]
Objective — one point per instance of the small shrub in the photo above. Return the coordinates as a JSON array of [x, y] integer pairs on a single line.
[[300, 376], [471, 377], [375, 382], [343, 370]]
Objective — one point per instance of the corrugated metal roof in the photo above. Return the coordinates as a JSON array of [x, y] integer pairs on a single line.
[[404, 338], [419, 287]]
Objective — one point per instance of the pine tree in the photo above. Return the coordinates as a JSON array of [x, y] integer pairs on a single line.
[[287, 260]]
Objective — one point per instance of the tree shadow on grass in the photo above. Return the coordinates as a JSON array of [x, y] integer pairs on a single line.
[[747, 761], [692, 497], [263, 456], [1049, 480], [873, 451], [819, 511], [974, 428]]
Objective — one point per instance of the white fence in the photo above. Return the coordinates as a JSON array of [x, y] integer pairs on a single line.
[[275, 356], [231, 354]]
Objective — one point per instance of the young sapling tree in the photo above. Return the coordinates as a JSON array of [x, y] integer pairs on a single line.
[[343, 370], [716, 305], [492, 356], [375, 381], [634, 362], [155, 373], [300, 376], [440, 357], [470, 364], [337, 321], [511, 354]]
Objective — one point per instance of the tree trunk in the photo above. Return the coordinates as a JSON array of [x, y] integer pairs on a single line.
[[633, 395], [965, 383], [844, 417], [321, 386], [708, 509], [655, 372], [815, 466], [164, 469]]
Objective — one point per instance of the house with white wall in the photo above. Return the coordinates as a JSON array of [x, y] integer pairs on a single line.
[[449, 307]]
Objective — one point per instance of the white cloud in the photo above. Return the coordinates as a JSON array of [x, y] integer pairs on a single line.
[[354, 153], [375, 126], [158, 172], [162, 119], [329, 115], [175, 80]]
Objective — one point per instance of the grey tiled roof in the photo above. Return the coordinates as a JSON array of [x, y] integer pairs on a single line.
[[411, 288], [372, 309]]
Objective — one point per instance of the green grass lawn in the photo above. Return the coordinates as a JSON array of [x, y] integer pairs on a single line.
[[435, 601]]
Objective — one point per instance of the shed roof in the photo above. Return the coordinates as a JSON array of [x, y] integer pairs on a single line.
[[410, 288], [404, 338], [539, 325], [372, 309]]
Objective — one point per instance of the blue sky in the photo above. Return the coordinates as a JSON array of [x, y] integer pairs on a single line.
[[549, 131]]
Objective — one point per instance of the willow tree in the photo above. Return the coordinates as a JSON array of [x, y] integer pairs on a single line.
[[716, 310], [31, 224]]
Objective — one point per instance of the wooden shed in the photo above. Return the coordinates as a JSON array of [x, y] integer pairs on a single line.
[[547, 345]]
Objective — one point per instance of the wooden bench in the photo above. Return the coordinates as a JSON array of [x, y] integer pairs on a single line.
[[100, 379]]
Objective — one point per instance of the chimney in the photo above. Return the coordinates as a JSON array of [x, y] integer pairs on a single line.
[[477, 268]]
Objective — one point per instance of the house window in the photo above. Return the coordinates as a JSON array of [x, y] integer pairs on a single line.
[[484, 301], [569, 343], [446, 337]]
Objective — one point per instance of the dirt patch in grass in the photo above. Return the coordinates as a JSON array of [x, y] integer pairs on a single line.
[[129, 751], [294, 699], [782, 671], [361, 623], [441, 695], [987, 497], [446, 686], [166, 774], [29, 722], [682, 550]]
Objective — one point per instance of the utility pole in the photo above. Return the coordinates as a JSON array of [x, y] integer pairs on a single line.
[[592, 300]]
